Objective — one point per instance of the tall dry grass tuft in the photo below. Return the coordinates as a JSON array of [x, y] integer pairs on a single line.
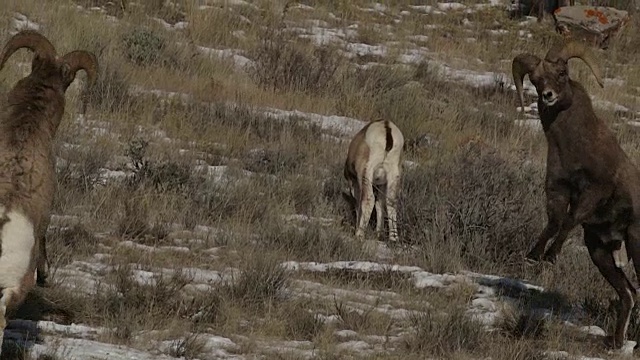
[[284, 63], [446, 334], [481, 209]]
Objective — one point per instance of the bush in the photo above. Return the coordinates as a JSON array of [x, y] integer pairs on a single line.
[[110, 91], [283, 63], [443, 334], [480, 205], [143, 47], [259, 284]]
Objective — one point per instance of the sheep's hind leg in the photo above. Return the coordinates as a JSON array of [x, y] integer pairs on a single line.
[[10, 296], [601, 255], [380, 196], [365, 207], [43, 263]]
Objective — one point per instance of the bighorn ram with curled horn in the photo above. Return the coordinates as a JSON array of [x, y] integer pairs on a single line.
[[589, 180], [28, 123], [374, 160]]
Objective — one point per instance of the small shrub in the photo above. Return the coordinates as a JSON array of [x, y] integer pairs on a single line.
[[81, 171], [378, 280], [311, 243], [143, 47], [190, 347], [135, 223], [363, 321], [444, 334], [258, 285], [479, 204], [276, 161], [283, 63], [360, 90], [110, 91], [521, 323], [223, 201], [127, 305], [205, 309], [75, 237], [301, 323], [161, 176]]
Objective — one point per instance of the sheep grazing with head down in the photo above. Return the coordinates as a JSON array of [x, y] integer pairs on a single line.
[[373, 171], [590, 181], [29, 120]]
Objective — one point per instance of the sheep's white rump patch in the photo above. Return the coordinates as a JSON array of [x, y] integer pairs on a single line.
[[17, 238]]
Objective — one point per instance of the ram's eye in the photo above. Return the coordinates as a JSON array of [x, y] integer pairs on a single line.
[[563, 73]]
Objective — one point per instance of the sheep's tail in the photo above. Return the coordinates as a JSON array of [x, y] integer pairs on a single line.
[[389, 137]]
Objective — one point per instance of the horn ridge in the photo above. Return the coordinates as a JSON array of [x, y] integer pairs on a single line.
[[83, 60], [31, 40], [80, 59], [574, 49]]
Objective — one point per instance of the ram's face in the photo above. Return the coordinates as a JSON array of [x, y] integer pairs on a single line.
[[550, 80], [55, 72]]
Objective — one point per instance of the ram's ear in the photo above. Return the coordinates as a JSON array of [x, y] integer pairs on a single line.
[[67, 74]]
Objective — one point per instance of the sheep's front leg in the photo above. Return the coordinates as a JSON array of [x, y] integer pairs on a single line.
[[584, 208], [557, 205]]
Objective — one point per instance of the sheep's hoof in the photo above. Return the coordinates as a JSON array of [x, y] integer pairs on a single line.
[[533, 257], [41, 281], [550, 258], [611, 343]]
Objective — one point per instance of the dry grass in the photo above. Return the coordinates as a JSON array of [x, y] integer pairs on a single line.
[[474, 200]]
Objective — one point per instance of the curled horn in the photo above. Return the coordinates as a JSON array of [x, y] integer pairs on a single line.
[[574, 50], [31, 40], [522, 65], [80, 59]]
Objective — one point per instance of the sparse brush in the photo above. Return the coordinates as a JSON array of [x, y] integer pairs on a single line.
[[524, 323], [368, 321], [259, 284], [190, 347], [300, 321], [81, 169], [278, 162], [143, 47], [379, 280], [162, 176], [445, 334], [134, 223], [284, 63], [127, 304], [12, 350], [205, 309], [312, 242], [481, 202], [66, 241], [359, 89], [111, 90], [246, 200]]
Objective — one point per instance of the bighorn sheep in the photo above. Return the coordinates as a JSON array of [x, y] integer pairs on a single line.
[[374, 160], [589, 180], [28, 123]]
